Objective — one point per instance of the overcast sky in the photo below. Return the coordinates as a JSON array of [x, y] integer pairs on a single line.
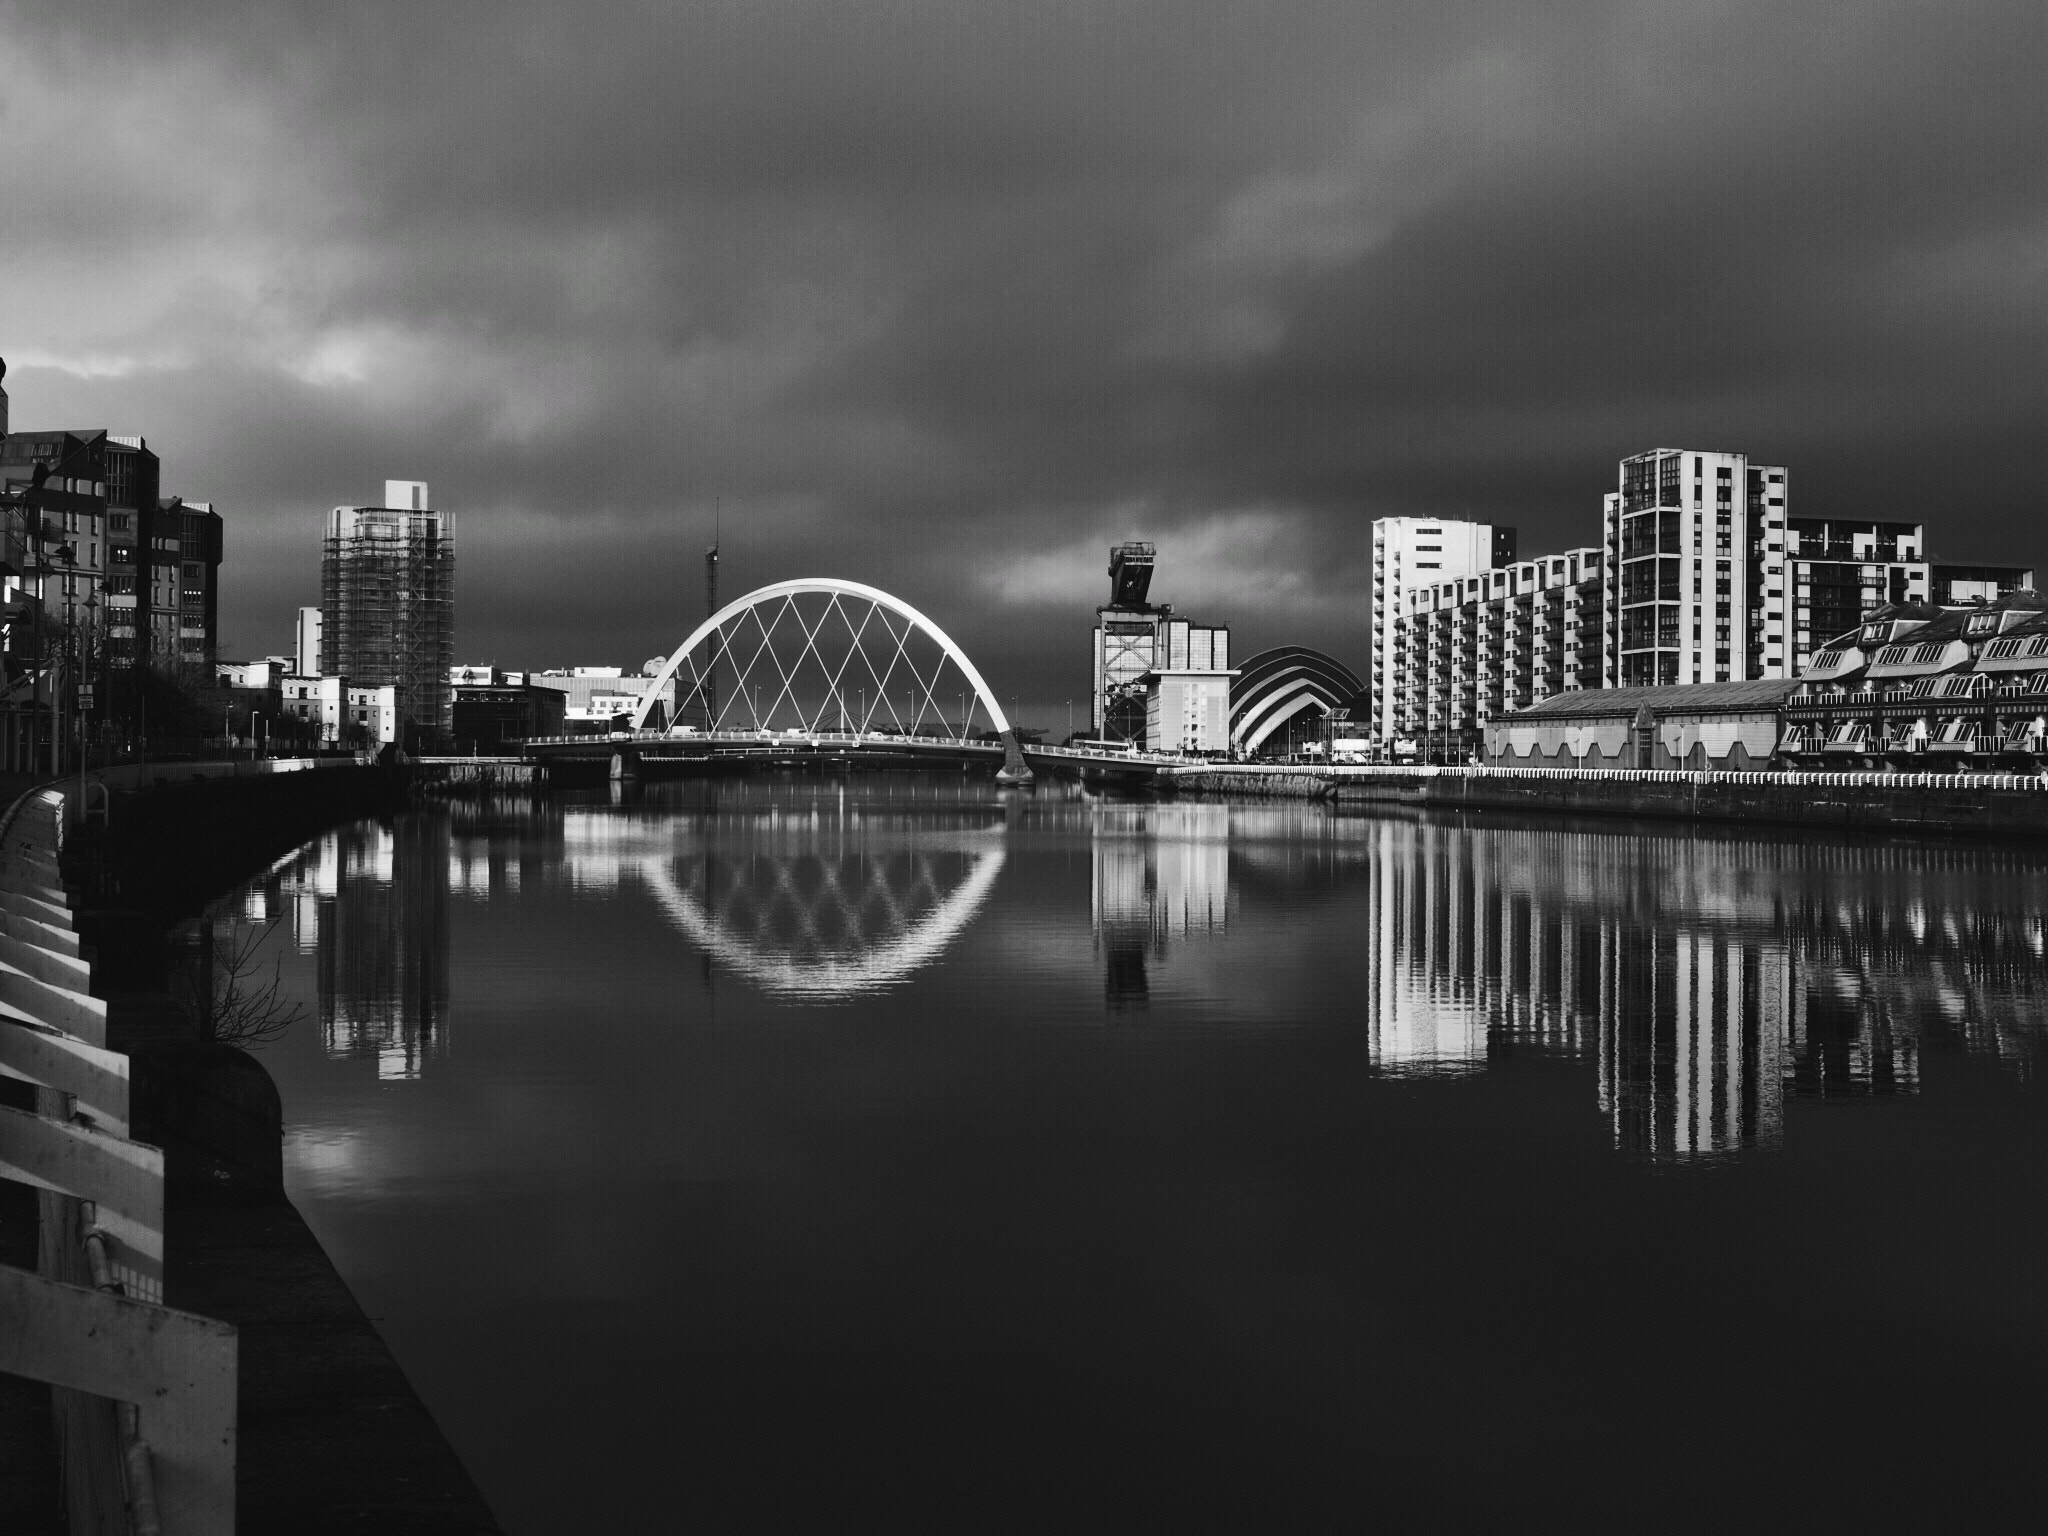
[[947, 296]]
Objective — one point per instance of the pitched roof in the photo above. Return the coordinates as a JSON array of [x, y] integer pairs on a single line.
[[1681, 698]]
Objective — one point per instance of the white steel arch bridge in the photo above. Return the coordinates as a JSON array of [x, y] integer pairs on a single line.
[[819, 654]]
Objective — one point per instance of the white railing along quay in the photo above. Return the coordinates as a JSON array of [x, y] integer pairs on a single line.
[[160, 1383], [1342, 773]]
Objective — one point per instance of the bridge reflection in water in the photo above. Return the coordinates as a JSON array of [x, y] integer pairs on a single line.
[[817, 904], [1702, 980]]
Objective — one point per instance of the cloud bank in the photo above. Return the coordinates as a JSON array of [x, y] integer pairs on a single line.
[[945, 295]]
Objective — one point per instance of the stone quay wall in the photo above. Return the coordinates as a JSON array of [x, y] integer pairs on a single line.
[[1974, 804]]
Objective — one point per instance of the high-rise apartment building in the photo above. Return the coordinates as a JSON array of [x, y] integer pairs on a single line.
[[124, 570], [69, 566], [1408, 554], [1471, 649], [1696, 590], [1841, 569], [185, 578], [387, 604], [124, 575], [133, 473]]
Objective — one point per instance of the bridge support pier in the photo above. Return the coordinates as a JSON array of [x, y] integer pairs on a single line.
[[1014, 770], [626, 763]]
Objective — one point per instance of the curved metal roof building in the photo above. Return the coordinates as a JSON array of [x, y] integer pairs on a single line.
[[1275, 686]]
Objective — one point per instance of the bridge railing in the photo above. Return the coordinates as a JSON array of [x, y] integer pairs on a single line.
[[145, 1399], [762, 738]]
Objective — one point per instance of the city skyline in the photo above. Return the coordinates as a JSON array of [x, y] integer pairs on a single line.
[[1029, 285]]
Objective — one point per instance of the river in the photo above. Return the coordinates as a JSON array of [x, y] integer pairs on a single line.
[[898, 1152]]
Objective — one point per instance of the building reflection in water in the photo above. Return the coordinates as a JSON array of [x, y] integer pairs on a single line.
[[1702, 978], [371, 903], [1162, 872], [1705, 978]]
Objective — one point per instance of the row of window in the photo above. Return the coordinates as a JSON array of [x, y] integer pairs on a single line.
[[2005, 649]]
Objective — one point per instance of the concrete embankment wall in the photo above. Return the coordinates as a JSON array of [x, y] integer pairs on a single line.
[[477, 776], [1980, 804], [1263, 783], [1973, 804], [167, 838]]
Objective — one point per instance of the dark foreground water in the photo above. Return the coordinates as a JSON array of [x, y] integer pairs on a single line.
[[896, 1155]]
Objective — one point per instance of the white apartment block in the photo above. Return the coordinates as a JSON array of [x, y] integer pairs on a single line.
[[1409, 554], [1695, 544], [1187, 709], [1468, 650]]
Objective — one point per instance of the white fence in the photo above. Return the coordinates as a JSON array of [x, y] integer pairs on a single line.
[[1790, 778], [146, 1402]]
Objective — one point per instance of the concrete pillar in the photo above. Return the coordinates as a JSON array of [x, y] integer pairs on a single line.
[[1014, 770]]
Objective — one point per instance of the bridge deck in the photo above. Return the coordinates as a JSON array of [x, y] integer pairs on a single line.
[[662, 746]]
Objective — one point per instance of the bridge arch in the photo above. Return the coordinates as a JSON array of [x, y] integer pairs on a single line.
[[778, 601]]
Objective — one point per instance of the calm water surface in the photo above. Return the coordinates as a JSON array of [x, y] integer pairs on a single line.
[[900, 1154]]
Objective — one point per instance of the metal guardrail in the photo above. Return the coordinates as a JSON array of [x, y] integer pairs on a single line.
[[1793, 778], [871, 739], [146, 1406]]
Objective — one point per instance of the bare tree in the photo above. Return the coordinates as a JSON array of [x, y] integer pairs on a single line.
[[227, 991]]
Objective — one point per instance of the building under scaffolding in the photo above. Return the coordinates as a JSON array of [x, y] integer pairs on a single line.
[[387, 599]]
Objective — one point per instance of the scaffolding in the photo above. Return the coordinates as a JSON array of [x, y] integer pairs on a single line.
[[387, 595]]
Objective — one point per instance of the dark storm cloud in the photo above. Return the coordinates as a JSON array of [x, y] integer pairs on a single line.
[[945, 296]]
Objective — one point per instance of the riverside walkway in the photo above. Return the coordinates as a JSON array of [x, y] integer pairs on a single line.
[[177, 1353]]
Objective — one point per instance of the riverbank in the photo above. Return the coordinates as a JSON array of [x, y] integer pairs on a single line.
[[1982, 804], [330, 1434], [2001, 805]]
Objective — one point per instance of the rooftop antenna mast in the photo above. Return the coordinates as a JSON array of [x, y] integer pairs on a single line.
[[710, 608]]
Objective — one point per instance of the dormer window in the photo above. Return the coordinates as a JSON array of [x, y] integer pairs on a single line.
[[1983, 623]]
